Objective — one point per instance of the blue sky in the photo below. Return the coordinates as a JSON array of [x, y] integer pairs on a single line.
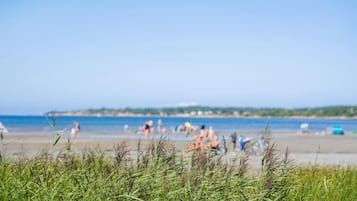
[[88, 54]]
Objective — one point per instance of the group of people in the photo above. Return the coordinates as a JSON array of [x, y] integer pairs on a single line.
[[188, 128], [148, 127], [205, 140]]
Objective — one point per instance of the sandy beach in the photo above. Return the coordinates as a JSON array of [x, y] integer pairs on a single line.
[[303, 149]]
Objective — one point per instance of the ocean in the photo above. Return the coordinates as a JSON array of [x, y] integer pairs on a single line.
[[110, 124]]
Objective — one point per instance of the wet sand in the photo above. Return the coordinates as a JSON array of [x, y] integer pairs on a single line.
[[303, 150]]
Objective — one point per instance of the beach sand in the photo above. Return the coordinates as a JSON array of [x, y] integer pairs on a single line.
[[303, 149]]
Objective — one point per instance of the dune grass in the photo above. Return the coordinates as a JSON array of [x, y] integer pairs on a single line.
[[324, 183], [158, 172]]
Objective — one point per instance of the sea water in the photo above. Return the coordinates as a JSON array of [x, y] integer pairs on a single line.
[[116, 124]]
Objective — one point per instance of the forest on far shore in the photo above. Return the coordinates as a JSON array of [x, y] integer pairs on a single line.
[[202, 111]]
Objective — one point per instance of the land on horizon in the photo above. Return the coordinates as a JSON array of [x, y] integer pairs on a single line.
[[207, 111]]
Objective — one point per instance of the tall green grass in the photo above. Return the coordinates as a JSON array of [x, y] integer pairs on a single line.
[[324, 183], [158, 172]]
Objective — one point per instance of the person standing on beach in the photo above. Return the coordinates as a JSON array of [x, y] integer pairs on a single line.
[[148, 127], [187, 128], [159, 126], [3, 128], [76, 129], [126, 128]]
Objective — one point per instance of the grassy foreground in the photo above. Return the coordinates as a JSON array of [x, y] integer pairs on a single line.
[[157, 172]]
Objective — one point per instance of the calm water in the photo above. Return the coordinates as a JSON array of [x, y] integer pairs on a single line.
[[40, 123]]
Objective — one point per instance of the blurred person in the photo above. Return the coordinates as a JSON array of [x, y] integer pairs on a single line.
[[159, 126], [76, 129]]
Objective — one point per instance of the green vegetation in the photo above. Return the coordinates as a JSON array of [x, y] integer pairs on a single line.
[[157, 172], [331, 111], [327, 183]]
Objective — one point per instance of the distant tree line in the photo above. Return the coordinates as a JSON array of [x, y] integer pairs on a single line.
[[330, 111]]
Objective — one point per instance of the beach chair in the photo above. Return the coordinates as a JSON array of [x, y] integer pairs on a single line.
[[337, 130]]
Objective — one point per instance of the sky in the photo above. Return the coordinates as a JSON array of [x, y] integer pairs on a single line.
[[69, 55]]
